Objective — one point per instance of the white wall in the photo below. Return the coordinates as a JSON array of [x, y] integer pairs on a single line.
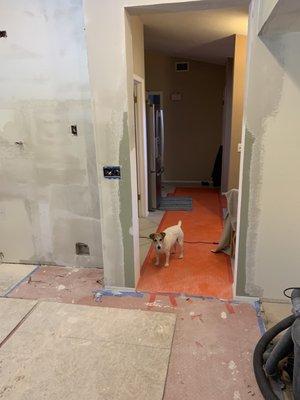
[[269, 258], [49, 196]]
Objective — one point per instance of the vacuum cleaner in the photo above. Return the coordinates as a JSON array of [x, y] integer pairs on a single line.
[[271, 360]]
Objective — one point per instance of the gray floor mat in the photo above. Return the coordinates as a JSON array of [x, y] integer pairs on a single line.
[[176, 203]]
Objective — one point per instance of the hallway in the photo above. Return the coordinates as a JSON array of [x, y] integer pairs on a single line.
[[201, 272]]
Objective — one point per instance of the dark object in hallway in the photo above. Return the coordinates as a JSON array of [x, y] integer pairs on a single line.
[[205, 183], [217, 170]]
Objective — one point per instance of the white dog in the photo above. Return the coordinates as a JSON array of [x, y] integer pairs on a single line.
[[164, 241]]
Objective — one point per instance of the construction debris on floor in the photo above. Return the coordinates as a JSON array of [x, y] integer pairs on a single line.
[[64, 351], [131, 353], [13, 274], [71, 285]]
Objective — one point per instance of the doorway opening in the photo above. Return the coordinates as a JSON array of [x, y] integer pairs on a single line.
[[194, 83]]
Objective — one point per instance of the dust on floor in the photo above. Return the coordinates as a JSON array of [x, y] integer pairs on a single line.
[[212, 338], [66, 351]]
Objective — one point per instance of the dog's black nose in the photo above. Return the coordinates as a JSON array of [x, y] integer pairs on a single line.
[[158, 247]]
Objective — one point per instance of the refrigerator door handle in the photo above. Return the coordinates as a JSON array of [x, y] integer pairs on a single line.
[[162, 140]]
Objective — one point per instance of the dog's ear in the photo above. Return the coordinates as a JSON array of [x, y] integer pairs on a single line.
[[152, 236], [163, 234]]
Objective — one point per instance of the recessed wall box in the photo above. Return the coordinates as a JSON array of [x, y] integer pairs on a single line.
[[112, 172]]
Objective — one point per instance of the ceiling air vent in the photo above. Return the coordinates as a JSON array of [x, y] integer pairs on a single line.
[[182, 66]]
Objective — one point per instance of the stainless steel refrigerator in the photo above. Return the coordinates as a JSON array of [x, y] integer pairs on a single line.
[[155, 141]]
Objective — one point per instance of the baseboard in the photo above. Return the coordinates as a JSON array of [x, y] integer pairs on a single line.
[[197, 183], [181, 182], [246, 299]]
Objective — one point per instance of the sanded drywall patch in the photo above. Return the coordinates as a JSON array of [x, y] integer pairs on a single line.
[[126, 208], [108, 29], [267, 110], [266, 8], [48, 176], [278, 229], [264, 91], [242, 250]]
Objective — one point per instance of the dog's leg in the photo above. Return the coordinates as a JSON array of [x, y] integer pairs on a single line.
[[167, 259], [174, 248], [180, 241], [157, 259]]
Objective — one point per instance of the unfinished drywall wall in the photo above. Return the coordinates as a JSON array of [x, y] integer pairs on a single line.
[[107, 38], [49, 195], [268, 256], [266, 7], [193, 125]]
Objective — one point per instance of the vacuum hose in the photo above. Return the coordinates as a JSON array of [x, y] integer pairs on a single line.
[[258, 361]]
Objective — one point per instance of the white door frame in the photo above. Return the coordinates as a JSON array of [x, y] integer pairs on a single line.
[[141, 147]]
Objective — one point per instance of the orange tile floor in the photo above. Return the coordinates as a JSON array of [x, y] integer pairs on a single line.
[[201, 272]]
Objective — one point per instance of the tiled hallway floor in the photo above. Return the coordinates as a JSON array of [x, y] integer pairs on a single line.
[[201, 272]]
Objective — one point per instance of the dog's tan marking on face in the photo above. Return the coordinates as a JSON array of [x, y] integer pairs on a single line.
[[157, 237]]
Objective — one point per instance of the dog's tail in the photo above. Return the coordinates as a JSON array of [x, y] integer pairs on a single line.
[[179, 223]]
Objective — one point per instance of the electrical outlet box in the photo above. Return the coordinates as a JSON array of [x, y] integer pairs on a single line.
[[240, 147], [112, 172], [74, 130]]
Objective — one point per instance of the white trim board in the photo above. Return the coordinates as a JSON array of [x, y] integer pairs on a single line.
[[141, 143], [181, 182]]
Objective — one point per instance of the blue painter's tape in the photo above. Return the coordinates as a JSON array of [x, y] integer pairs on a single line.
[[260, 321], [19, 282], [117, 293]]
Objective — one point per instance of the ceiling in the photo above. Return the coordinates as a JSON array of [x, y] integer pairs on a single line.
[[205, 35]]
